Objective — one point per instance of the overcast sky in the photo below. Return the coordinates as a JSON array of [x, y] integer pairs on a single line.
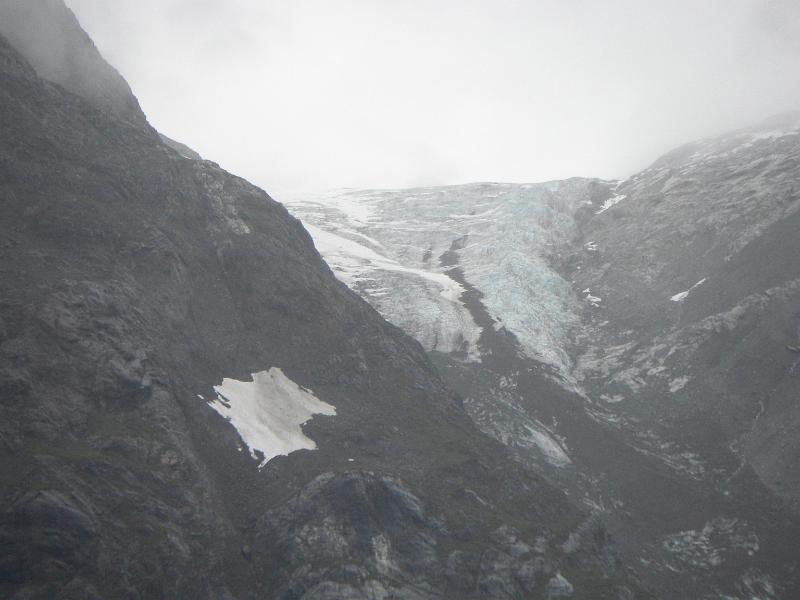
[[315, 94]]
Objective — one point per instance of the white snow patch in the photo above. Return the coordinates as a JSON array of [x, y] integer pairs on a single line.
[[550, 448], [678, 384], [593, 300], [680, 297], [612, 399], [269, 412], [613, 201]]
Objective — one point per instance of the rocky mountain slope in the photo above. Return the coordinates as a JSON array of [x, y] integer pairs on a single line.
[[699, 268], [166, 329], [635, 341]]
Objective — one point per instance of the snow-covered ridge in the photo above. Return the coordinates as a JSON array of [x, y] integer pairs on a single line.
[[269, 412], [718, 149]]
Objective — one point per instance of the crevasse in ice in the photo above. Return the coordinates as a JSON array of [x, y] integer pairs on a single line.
[[392, 247]]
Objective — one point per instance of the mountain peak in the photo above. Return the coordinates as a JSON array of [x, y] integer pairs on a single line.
[[47, 34]]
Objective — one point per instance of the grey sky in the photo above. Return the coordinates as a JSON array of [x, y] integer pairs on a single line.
[[312, 94]]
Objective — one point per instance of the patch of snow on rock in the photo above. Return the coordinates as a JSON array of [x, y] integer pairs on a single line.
[[612, 399], [497, 415], [591, 299], [269, 412], [678, 384], [680, 297], [613, 201], [549, 447]]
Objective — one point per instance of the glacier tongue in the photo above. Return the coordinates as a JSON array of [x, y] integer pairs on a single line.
[[425, 303], [396, 247]]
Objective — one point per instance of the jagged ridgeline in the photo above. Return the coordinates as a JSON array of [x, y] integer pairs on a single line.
[[162, 322]]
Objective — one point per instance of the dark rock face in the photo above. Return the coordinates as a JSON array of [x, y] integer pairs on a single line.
[[383, 531], [385, 545], [692, 345], [718, 220], [180, 148], [134, 279]]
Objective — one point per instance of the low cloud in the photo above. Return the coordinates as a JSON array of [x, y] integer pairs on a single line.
[[376, 93]]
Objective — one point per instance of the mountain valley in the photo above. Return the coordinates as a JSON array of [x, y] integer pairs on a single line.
[[578, 389]]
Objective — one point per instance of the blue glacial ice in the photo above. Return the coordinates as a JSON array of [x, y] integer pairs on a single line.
[[387, 244]]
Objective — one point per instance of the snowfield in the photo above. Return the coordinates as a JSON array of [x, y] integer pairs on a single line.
[[269, 412]]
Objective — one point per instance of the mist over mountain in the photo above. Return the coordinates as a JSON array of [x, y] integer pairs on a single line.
[[314, 95], [580, 388]]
